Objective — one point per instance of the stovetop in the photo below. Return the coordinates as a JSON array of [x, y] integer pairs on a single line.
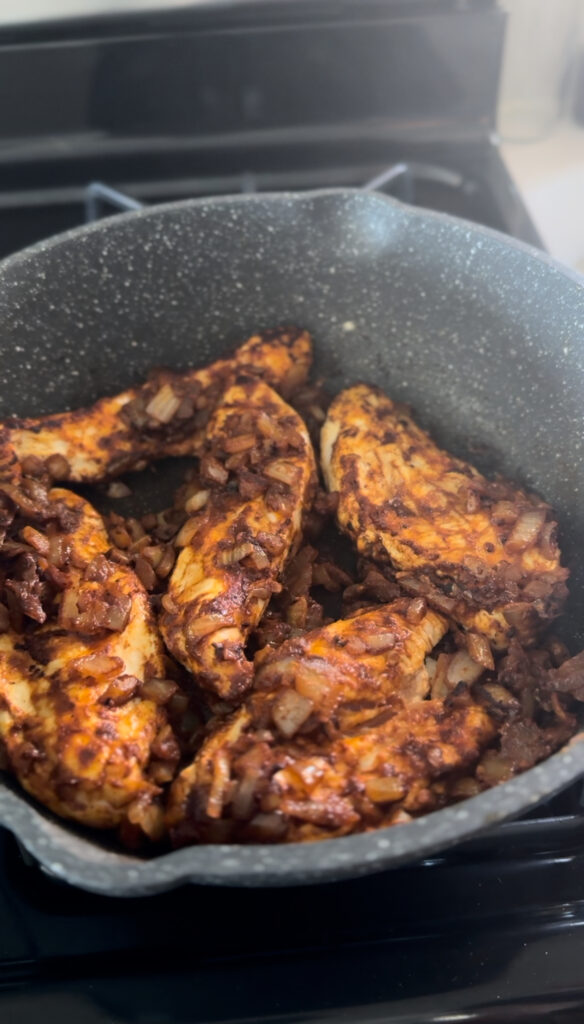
[[490, 932]]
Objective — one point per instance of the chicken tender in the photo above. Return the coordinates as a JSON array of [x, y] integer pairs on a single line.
[[482, 552], [75, 728], [343, 674], [352, 674], [258, 472], [165, 416], [243, 787]]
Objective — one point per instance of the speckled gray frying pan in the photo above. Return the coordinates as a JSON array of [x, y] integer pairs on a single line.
[[483, 336]]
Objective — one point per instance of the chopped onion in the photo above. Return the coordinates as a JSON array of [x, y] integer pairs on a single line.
[[239, 444], [310, 683], [547, 541], [213, 470], [500, 696], [120, 690], [37, 540], [149, 817], [145, 572], [440, 685], [290, 711], [165, 745], [161, 772], [243, 802], [168, 604], [480, 650], [196, 501], [186, 533], [235, 554], [430, 665], [504, 513], [118, 489], [526, 529], [380, 642], [221, 773], [463, 669], [199, 627], [384, 790], [283, 472], [57, 467], [259, 558], [519, 615], [164, 404], [355, 645], [166, 562], [158, 690], [153, 554], [68, 610], [368, 761], [99, 665], [416, 610]]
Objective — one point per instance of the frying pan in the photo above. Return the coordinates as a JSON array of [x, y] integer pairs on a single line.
[[482, 335]]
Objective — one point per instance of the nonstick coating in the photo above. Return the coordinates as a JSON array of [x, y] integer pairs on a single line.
[[482, 335]]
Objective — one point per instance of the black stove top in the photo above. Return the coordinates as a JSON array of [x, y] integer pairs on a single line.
[[492, 930]]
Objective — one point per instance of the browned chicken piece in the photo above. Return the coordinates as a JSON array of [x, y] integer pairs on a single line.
[[484, 553], [243, 786], [258, 472], [352, 674], [343, 674], [165, 416], [76, 725]]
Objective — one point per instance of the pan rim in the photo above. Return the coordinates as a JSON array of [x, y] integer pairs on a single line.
[[405, 209]]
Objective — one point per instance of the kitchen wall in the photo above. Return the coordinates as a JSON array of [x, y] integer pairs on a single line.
[[542, 143]]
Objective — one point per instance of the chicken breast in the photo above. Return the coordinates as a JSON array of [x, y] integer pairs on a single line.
[[350, 675], [243, 786], [165, 416], [482, 552], [75, 727], [343, 674], [258, 474]]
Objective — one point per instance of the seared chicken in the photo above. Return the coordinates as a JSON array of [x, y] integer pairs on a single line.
[[75, 727], [341, 675], [243, 786], [482, 552], [165, 416], [258, 473], [350, 675]]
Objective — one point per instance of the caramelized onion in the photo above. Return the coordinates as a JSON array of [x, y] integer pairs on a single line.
[[480, 650], [384, 790], [290, 711], [283, 472], [526, 529], [164, 404], [463, 669], [196, 501]]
